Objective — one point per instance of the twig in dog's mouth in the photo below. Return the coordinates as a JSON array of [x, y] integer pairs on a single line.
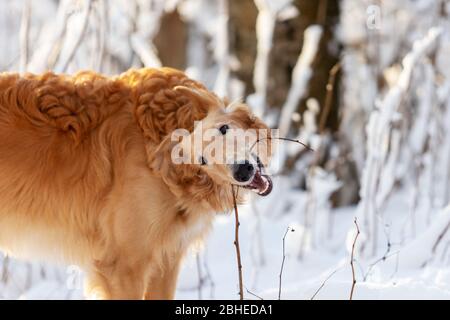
[[257, 183], [236, 243], [283, 139], [261, 184]]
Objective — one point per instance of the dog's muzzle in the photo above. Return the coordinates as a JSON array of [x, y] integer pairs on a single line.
[[251, 177]]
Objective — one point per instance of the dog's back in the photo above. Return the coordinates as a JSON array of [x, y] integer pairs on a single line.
[[51, 180]]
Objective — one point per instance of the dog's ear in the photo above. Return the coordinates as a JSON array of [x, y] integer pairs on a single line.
[[169, 162], [159, 159], [156, 159], [200, 97], [160, 163], [172, 151]]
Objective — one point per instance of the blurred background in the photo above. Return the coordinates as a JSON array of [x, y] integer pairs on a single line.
[[366, 83]]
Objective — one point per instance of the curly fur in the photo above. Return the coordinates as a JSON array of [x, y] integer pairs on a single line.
[[85, 178]]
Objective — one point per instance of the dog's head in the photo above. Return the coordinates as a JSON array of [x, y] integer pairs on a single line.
[[229, 147]]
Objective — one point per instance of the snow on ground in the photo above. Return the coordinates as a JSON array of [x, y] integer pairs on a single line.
[[302, 278], [323, 264]]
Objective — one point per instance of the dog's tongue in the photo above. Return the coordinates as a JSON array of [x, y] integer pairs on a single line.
[[262, 183]]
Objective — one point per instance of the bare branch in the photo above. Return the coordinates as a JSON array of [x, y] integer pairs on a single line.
[[145, 51], [322, 12], [61, 30], [24, 36], [439, 238], [283, 139], [77, 43], [352, 259], [208, 276], [200, 277], [282, 263], [253, 294], [382, 259], [103, 12], [329, 97], [236, 244], [301, 76], [325, 281]]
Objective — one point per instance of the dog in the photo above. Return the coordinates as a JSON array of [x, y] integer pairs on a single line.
[[87, 175]]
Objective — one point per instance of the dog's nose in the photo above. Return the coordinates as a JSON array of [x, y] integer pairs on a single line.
[[243, 172]]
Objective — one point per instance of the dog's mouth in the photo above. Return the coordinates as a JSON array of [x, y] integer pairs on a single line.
[[261, 184]]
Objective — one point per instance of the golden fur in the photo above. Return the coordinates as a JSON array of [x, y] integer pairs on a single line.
[[85, 176]]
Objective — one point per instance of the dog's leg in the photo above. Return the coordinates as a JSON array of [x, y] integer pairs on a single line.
[[127, 284], [96, 287], [162, 286], [118, 282]]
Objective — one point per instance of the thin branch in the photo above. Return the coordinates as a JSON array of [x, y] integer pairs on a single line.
[[55, 49], [282, 263], [385, 256], [24, 36], [301, 76], [376, 262], [209, 277], [329, 96], [439, 238], [145, 50], [221, 50], [103, 30], [325, 281], [77, 43], [352, 259], [200, 277], [283, 139], [253, 294], [444, 252], [265, 27], [322, 12], [236, 244]]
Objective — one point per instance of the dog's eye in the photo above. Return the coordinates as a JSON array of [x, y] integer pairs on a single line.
[[223, 129], [203, 161]]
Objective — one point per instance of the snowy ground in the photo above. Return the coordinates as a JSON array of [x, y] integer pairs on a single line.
[[303, 277], [407, 272]]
